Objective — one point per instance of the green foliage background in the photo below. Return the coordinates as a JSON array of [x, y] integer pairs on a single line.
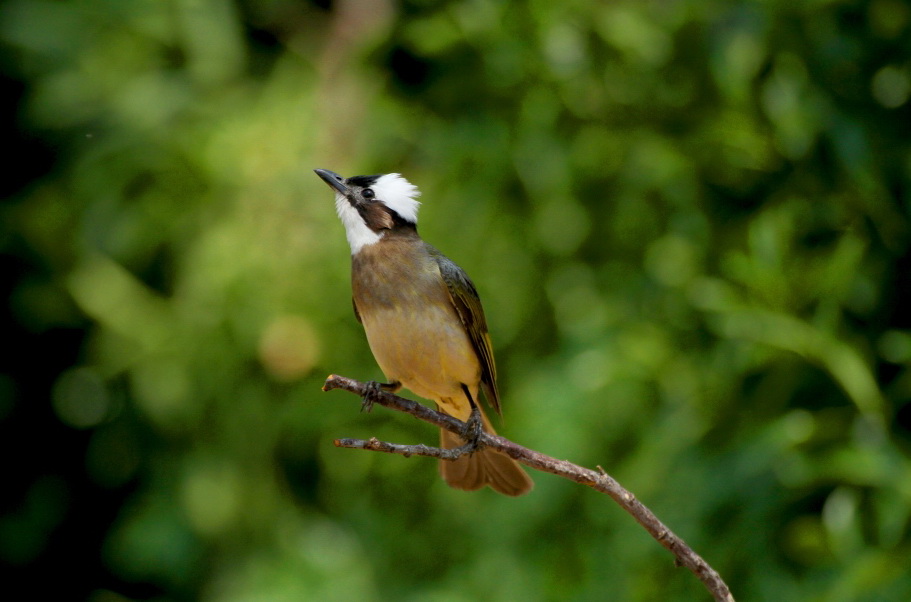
[[688, 221]]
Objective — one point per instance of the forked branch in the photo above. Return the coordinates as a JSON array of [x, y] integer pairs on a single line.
[[596, 479]]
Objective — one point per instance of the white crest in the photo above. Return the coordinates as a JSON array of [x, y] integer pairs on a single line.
[[398, 194], [359, 235]]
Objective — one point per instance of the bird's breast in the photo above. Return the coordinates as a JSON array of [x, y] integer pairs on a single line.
[[412, 326]]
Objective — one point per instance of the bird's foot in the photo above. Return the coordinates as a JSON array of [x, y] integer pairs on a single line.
[[373, 389], [474, 426]]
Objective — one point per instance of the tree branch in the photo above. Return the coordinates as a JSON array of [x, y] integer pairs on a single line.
[[596, 479]]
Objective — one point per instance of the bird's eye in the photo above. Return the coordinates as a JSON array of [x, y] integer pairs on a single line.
[[368, 193]]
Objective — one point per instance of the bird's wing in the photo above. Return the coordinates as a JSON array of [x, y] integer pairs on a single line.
[[467, 303]]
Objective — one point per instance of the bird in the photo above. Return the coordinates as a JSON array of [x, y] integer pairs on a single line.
[[423, 319]]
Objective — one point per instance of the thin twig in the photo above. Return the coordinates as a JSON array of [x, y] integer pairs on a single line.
[[374, 444], [596, 479]]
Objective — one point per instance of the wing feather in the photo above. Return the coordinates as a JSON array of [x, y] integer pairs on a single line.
[[467, 303]]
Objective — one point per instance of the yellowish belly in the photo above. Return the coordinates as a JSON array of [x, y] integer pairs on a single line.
[[428, 351]]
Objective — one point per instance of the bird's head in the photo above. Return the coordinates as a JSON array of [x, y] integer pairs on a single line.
[[371, 206]]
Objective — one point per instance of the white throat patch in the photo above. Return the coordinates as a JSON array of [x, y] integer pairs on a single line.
[[359, 235], [398, 194]]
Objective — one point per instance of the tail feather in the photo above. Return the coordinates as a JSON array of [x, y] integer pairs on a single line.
[[485, 467]]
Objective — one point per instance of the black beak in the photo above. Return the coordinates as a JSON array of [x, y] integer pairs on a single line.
[[333, 179]]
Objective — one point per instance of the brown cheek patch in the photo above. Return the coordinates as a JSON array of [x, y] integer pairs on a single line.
[[376, 216]]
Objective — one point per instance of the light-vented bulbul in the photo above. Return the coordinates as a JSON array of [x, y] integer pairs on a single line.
[[423, 318]]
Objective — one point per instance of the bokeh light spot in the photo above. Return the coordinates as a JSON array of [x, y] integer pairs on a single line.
[[80, 398], [891, 87], [289, 347]]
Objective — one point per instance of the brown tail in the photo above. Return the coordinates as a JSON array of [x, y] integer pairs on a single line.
[[485, 467]]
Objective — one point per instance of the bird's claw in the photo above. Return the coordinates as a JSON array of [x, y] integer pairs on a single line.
[[372, 391], [473, 428]]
